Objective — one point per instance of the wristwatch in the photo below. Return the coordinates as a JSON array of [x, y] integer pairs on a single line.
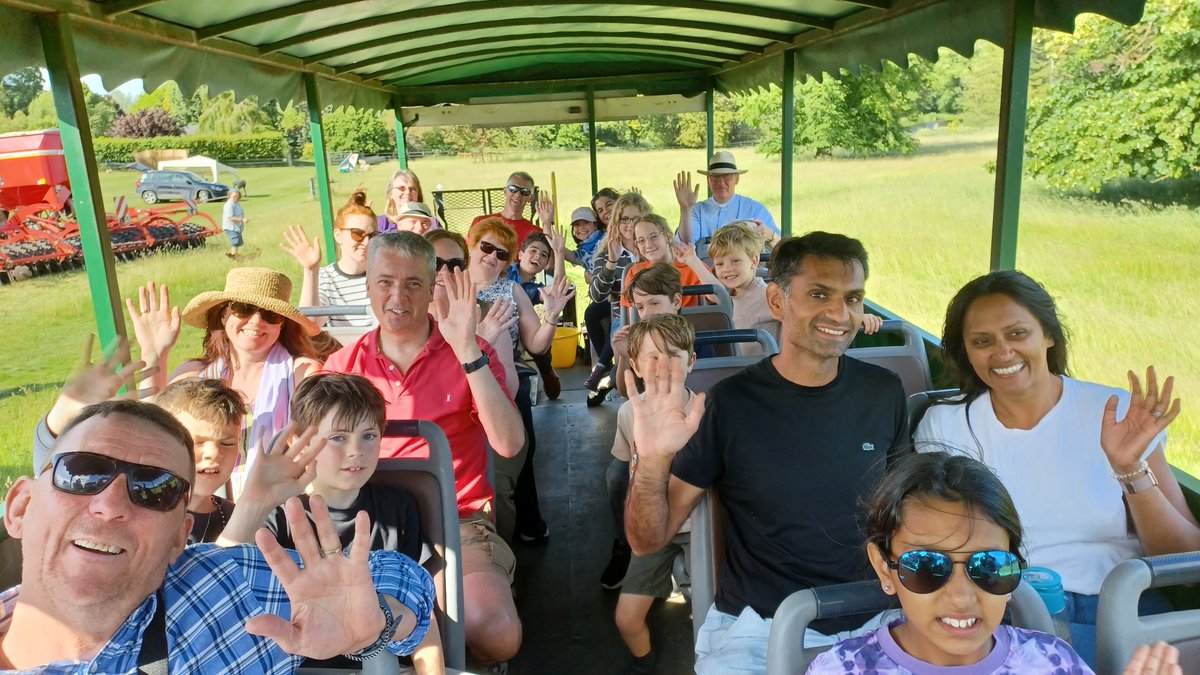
[[1141, 484], [475, 365]]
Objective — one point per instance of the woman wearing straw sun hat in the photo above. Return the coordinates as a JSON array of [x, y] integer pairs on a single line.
[[699, 221], [255, 341]]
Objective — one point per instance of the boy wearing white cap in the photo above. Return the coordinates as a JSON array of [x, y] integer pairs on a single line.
[[699, 221]]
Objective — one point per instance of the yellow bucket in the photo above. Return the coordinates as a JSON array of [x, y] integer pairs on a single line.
[[566, 342]]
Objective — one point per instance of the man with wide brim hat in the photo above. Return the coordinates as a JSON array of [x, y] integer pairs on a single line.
[[259, 286], [699, 221], [415, 217]]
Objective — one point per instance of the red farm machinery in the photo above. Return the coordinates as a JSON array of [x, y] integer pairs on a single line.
[[38, 229]]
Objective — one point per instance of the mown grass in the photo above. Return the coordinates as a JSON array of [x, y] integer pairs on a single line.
[[1124, 275]]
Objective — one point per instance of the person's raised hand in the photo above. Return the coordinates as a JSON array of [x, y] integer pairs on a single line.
[[286, 469], [335, 607], [663, 420], [545, 209], [556, 296], [1149, 413], [871, 324], [614, 242], [685, 252], [686, 193], [457, 315], [498, 320], [306, 251], [155, 322], [558, 242], [95, 383], [620, 341], [1161, 659]]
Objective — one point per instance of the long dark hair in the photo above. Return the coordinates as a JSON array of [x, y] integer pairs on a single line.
[[1022, 290], [217, 345], [946, 477]]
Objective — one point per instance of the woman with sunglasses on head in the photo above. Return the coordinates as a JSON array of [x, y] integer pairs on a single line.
[[403, 188], [944, 537], [340, 283], [518, 192], [255, 342], [1082, 461]]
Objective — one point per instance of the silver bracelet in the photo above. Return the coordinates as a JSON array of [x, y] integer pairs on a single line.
[[1142, 469], [385, 636]]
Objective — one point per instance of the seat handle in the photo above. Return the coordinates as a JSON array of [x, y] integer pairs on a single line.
[[1174, 569], [858, 597]]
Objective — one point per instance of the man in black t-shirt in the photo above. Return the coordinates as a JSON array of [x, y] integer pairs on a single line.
[[791, 445]]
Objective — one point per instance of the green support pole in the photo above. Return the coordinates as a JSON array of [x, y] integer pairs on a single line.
[[710, 103], [789, 135], [591, 102], [401, 148], [1010, 149], [59, 46], [320, 159]]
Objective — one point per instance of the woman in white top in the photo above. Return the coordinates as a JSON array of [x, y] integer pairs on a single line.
[[1091, 490]]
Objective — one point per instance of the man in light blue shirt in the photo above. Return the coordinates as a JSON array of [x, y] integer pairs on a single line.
[[699, 221]]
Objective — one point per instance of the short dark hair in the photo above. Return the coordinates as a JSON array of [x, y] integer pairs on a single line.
[[537, 238], [941, 476], [146, 412], [203, 398], [658, 279], [353, 397], [789, 254], [1024, 291]]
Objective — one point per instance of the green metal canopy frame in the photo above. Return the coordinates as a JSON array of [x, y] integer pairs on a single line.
[[366, 53]]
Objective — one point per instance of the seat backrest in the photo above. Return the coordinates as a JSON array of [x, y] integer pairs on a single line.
[[786, 653], [10, 557], [908, 360], [739, 336], [1119, 629], [709, 317], [457, 208], [347, 335], [707, 555], [919, 403], [430, 481]]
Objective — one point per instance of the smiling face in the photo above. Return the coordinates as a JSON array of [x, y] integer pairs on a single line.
[[400, 290], [650, 354], [216, 451], [402, 191], [822, 309], [735, 270], [250, 334], [953, 625], [723, 186], [98, 556], [350, 249], [414, 224], [603, 206], [651, 243], [629, 218], [582, 229], [651, 305], [1006, 345], [486, 268], [350, 455], [445, 249], [515, 202], [535, 258]]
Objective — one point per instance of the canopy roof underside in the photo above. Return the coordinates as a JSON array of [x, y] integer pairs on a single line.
[[428, 52]]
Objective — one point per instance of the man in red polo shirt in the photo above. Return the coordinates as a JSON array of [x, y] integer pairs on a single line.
[[517, 193], [435, 368]]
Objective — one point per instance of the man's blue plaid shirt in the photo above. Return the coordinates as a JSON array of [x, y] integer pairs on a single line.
[[210, 592]]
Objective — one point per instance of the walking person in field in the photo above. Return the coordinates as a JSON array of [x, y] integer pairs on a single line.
[[233, 222]]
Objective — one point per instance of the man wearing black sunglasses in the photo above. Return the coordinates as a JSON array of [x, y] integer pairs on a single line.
[[518, 192], [108, 581]]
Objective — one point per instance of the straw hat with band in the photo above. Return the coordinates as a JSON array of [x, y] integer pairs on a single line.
[[722, 163], [416, 209], [259, 286]]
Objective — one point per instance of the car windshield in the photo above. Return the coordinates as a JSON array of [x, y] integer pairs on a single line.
[[192, 176]]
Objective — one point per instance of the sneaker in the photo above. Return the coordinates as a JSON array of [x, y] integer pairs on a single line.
[[598, 373], [643, 665], [596, 398], [535, 538], [552, 385], [618, 565]]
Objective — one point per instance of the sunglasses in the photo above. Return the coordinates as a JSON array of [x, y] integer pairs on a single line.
[[245, 310], [452, 263], [488, 248], [524, 192], [358, 235], [995, 572], [83, 473]]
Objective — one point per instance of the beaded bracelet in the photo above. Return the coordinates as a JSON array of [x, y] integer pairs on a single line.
[[389, 627], [1142, 469]]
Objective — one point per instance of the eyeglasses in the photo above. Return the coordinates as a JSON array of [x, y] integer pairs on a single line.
[[648, 238], [487, 248], [452, 263], [525, 192], [358, 235], [84, 473], [995, 572], [245, 310], [625, 220]]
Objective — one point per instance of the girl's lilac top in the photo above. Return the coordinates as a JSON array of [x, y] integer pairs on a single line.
[[1016, 651]]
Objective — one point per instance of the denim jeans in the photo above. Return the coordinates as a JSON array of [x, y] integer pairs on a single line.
[[1081, 612]]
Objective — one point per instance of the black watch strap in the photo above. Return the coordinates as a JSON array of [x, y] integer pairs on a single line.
[[475, 365]]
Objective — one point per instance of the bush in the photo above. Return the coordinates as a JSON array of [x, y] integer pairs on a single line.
[[352, 130], [146, 123], [254, 146]]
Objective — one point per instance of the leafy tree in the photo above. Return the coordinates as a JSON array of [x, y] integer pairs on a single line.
[[1120, 102], [103, 112], [19, 89], [227, 115], [146, 123], [350, 129], [293, 122], [659, 131], [167, 97]]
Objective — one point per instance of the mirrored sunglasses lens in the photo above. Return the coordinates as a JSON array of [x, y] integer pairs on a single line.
[[924, 571], [997, 572], [525, 192], [156, 489], [83, 474]]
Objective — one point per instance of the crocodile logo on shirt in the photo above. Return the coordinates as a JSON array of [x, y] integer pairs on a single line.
[[868, 447]]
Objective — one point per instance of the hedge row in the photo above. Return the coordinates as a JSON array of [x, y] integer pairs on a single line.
[[269, 145]]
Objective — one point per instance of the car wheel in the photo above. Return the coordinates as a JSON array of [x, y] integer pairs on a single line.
[[150, 197], [203, 196]]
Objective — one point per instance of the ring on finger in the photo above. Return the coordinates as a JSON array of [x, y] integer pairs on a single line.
[[331, 552], [1157, 413]]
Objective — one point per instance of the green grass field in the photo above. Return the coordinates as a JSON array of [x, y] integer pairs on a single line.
[[1123, 275]]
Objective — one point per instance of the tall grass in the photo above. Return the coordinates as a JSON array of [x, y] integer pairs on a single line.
[[1125, 276]]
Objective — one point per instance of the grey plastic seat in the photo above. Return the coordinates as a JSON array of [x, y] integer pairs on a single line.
[[708, 372], [1119, 629], [347, 335], [908, 360], [919, 403], [787, 655]]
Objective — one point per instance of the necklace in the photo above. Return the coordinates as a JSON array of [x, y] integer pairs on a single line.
[[216, 513]]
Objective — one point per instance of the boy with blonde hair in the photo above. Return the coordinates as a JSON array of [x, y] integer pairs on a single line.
[[734, 251]]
